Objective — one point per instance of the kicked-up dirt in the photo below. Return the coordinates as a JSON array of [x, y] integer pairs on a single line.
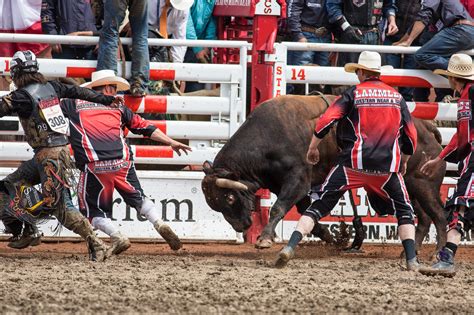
[[226, 278]]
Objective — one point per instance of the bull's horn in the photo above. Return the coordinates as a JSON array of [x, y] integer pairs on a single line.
[[230, 184]]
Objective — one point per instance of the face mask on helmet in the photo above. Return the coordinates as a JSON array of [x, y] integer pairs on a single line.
[[23, 62]]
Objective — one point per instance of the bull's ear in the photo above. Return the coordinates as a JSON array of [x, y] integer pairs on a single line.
[[207, 167]]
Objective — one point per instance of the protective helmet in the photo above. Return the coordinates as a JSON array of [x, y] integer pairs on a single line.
[[23, 61]]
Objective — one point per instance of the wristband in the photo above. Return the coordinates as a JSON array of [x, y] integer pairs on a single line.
[[345, 25]]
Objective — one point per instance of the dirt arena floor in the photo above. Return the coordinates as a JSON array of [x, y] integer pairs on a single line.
[[226, 278]]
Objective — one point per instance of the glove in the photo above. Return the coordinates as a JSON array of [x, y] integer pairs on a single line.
[[351, 35]]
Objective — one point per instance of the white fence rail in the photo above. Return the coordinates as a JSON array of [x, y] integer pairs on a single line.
[[226, 112]]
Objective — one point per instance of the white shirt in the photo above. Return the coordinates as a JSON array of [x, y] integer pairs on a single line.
[[176, 25]]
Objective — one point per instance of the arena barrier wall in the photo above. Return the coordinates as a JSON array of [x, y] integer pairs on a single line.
[[175, 193], [379, 229]]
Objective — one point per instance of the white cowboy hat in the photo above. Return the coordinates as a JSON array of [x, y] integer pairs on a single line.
[[104, 77], [368, 60], [460, 66], [181, 4]]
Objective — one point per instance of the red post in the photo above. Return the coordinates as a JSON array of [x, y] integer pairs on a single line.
[[260, 216], [265, 14]]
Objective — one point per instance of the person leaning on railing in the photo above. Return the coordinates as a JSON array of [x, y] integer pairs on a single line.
[[114, 14], [456, 32], [407, 11], [201, 25], [66, 17], [359, 23], [308, 23]]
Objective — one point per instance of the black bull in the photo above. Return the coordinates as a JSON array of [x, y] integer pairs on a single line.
[[269, 151]]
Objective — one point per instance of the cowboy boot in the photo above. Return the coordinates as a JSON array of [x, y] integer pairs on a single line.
[[76, 222], [30, 237], [168, 235], [120, 243]]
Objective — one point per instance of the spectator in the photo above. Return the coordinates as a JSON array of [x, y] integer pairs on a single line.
[[407, 11], [170, 17], [456, 32], [201, 25], [358, 20], [114, 14], [98, 11], [27, 23], [309, 23], [66, 17]]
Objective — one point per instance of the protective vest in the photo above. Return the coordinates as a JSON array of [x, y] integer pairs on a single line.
[[364, 13], [37, 131]]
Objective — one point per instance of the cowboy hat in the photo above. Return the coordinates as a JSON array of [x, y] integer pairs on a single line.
[[460, 66], [107, 77], [181, 4], [368, 60]]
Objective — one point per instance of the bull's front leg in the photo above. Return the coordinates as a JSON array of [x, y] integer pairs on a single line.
[[294, 189], [277, 212]]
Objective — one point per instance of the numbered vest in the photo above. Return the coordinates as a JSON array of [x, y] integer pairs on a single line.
[[363, 13], [47, 126]]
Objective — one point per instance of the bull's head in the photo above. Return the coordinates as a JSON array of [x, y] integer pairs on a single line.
[[227, 194]]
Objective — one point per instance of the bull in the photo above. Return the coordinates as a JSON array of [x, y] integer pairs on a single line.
[[269, 151]]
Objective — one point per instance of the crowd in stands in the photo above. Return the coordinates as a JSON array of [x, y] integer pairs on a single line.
[[441, 27]]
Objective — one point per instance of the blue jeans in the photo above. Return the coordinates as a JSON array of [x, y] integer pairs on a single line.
[[192, 86], [435, 53], [301, 58], [114, 13], [368, 38], [396, 61]]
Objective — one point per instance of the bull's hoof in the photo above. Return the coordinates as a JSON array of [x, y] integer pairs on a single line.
[[263, 244], [352, 250]]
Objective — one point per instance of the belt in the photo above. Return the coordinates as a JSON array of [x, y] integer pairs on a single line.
[[319, 31], [108, 165], [367, 29], [464, 22], [370, 172]]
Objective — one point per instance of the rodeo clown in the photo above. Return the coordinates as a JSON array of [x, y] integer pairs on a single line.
[[460, 206], [374, 129], [106, 160], [36, 101]]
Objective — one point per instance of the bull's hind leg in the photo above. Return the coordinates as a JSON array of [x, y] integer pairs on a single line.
[[358, 227], [423, 226], [292, 191], [427, 195]]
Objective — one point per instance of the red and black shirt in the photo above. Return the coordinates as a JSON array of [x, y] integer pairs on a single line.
[[461, 143], [374, 127], [97, 131]]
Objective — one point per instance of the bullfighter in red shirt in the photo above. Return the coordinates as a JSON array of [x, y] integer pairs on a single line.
[[376, 136], [460, 206]]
